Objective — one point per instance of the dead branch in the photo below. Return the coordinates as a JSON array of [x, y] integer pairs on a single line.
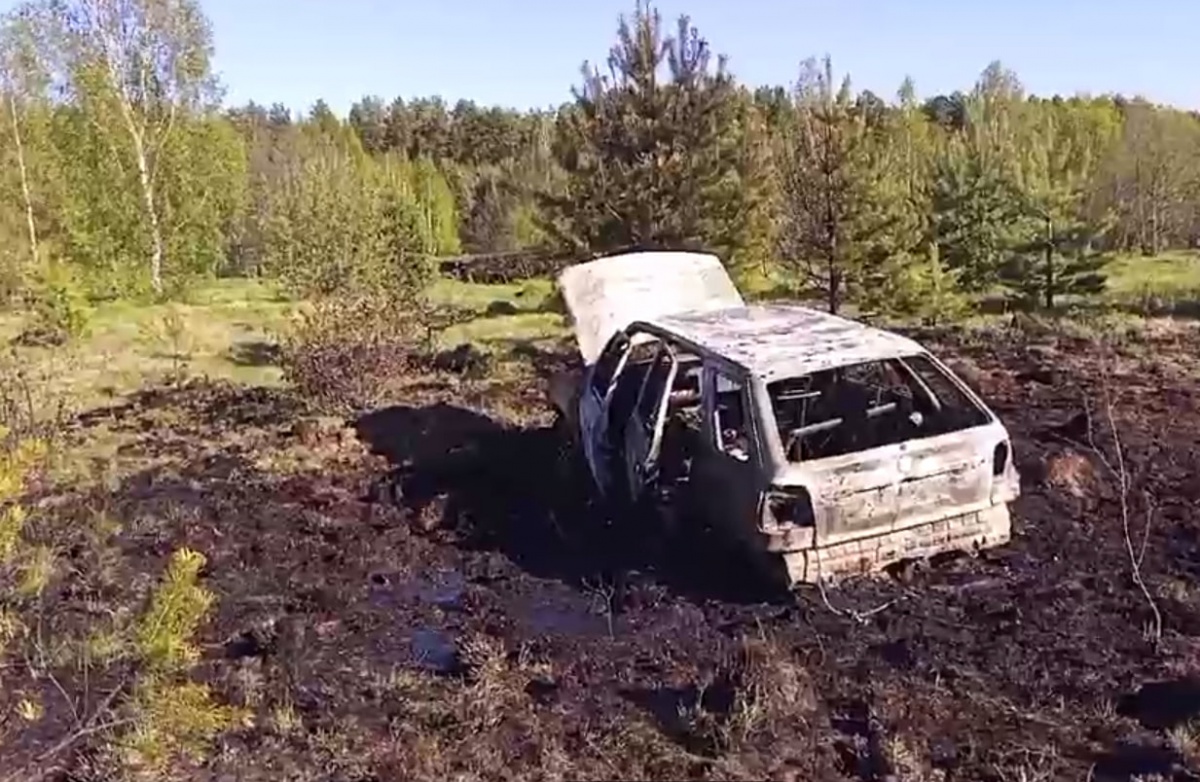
[[93, 725], [66, 743], [860, 617], [605, 594], [1116, 467], [69, 700]]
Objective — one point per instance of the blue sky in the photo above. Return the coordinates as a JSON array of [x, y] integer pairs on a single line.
[[527, 53]]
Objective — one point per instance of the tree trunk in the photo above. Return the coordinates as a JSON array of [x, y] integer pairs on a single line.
[[156, 244], [1050, 281], [1155, 224], [835, 283], [835, 277], [831, 250], [145, 178], [16, 132]]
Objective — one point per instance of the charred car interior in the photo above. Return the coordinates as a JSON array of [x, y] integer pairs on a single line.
[[855, 408], [821, 445]]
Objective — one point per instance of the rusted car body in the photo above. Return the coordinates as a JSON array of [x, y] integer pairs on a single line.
[[823, 446]]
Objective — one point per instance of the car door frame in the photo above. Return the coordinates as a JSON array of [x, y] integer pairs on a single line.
[[593, 410], [641, 438], [726, 490]]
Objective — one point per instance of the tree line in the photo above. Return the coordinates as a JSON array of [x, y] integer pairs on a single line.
[[124, 174]]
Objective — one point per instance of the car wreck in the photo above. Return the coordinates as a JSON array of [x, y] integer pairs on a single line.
[[819, 445]]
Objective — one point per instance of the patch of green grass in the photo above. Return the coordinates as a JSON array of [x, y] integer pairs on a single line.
[[226, 330], [505, 330], [507, 314], [524, 296], [1166, 284], [238, 292], [1170, 271], [219, 331]]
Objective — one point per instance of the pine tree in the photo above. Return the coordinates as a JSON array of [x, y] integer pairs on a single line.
[[648, 161], [824, 161], [978, 199], [902, 272], [1059, 257]]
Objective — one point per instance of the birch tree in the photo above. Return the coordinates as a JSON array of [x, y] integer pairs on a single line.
[[150, 60], [19, 78]]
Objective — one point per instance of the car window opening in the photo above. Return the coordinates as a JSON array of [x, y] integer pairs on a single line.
[[732, 428], [868, 405]]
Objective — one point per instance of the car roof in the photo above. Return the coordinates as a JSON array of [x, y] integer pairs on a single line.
[[776, 341]]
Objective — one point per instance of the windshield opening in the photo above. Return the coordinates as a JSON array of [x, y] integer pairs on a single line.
[[869, 405]]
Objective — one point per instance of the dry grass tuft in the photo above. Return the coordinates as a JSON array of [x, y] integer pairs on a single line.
[[1071, 472]]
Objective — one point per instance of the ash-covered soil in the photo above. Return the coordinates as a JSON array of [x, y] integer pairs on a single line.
[[420, 595]]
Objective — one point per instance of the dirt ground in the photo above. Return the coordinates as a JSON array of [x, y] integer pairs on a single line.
[[419, 596]]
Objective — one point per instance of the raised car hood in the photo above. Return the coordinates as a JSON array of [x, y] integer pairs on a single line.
[[608, 294]]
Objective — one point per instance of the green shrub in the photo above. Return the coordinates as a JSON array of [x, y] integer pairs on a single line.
[[58, 307]]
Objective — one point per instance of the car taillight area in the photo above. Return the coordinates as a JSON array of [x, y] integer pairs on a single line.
[[788, 505], [1000, 456]]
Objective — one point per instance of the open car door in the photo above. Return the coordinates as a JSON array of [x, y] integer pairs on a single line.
[[601, 381], [644, 429]]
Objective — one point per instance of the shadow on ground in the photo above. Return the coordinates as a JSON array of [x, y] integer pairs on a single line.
[[255, 353], [514, 489]]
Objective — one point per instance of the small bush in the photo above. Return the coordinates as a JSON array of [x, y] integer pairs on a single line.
[[345, 351], [18, 458], [770, 687], [173, 719], [169, 334], [168, 715], [59, 310], [757, 691], [179, 607]]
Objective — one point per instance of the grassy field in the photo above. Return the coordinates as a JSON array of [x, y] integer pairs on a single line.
[[226, 329], [504, 314], [1163, 284], [1171, 274]]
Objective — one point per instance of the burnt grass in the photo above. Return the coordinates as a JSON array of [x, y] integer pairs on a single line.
[[421, 593]]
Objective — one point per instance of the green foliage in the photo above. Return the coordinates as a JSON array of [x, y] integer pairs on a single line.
[[527, 229], [341, 221], [12, 524], [171, 716], [1062, 263], [826, 173], [59, 311], [922, 286], [744, 231], [977, 215], [173, 719], [98, 212], [438, 209], [165, 634], [204, 195], [20, 455], [489, 223], [143, 191], [651, 161]]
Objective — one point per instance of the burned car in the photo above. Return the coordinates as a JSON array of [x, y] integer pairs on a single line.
[[822, 446]]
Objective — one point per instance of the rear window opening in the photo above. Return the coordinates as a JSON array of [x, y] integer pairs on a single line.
[[869, 405]]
